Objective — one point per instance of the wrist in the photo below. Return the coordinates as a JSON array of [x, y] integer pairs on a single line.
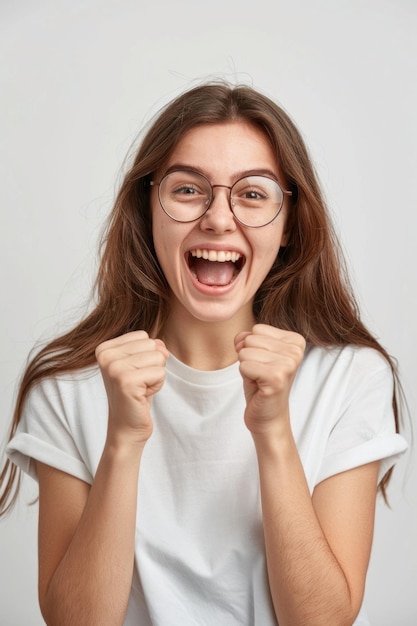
[[124, 444], [276, 424], [277, 440]]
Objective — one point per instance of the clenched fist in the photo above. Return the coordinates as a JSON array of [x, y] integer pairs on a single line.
[[269, 359], [133, 369]]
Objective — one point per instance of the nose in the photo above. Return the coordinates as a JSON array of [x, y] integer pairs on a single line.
[[219, 217]]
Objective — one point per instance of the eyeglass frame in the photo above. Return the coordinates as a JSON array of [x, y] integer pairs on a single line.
[[285, 192]]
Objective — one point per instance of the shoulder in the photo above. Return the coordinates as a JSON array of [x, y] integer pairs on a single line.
[[86, 378], [341, 376], [356, 362], [63, 424], [70, 389]]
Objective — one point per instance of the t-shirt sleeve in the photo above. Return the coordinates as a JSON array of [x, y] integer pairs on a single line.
[[46, 432], [365, 431]]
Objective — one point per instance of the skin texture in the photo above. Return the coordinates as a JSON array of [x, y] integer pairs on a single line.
[[229, 151], [318, 546]]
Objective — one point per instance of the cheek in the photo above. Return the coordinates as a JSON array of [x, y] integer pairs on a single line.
[[159, 239], [268, 243], [160, 228], [161, 244], [164, 238], [167, 238]]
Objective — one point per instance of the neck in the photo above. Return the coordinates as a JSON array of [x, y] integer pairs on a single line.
[[204, 345]]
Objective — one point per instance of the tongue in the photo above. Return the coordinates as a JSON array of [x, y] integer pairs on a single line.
[[213, 272]]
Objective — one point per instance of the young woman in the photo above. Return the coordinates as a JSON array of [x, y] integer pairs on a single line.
[[209, 440]]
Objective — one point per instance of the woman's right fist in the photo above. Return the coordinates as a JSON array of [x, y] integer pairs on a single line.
[[133, 369]]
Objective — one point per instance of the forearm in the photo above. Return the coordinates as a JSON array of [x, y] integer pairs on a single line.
[[92, 582], [307, 584]]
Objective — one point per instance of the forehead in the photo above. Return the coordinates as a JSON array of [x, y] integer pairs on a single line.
[[220, 150]]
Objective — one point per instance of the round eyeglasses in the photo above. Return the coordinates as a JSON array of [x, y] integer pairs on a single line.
[[255, 200]]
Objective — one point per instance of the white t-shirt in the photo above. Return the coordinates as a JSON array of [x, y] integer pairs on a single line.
[[199, 544]]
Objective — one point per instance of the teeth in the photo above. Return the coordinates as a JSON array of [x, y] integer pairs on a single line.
[[213, 255]]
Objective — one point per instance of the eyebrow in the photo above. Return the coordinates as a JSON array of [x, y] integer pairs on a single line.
[[238, 175]]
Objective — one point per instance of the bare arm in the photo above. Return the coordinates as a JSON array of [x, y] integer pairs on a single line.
[[87, 535], [86, 541], [317, 548]]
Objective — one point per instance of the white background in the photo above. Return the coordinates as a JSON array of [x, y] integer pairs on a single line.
[[77, 81]]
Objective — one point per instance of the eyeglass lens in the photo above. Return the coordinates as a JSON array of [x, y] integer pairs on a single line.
[[185, 196]]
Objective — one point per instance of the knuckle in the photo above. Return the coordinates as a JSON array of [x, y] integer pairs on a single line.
[[278, 379], [114, 369], [102, 356]]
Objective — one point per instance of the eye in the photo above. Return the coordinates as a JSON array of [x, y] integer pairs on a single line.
[[186, 190], [253, 194], [250, 196], [182, 186], [187, 193]]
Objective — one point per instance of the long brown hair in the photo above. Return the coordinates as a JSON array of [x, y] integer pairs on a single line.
[[306, 291]]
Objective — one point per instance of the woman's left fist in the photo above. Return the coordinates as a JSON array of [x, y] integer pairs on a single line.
[[269, 358]]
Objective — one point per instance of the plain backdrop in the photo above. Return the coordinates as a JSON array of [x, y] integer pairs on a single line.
[[78, 80]]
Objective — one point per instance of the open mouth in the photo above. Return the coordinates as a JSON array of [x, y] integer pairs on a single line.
[[215, 267]]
